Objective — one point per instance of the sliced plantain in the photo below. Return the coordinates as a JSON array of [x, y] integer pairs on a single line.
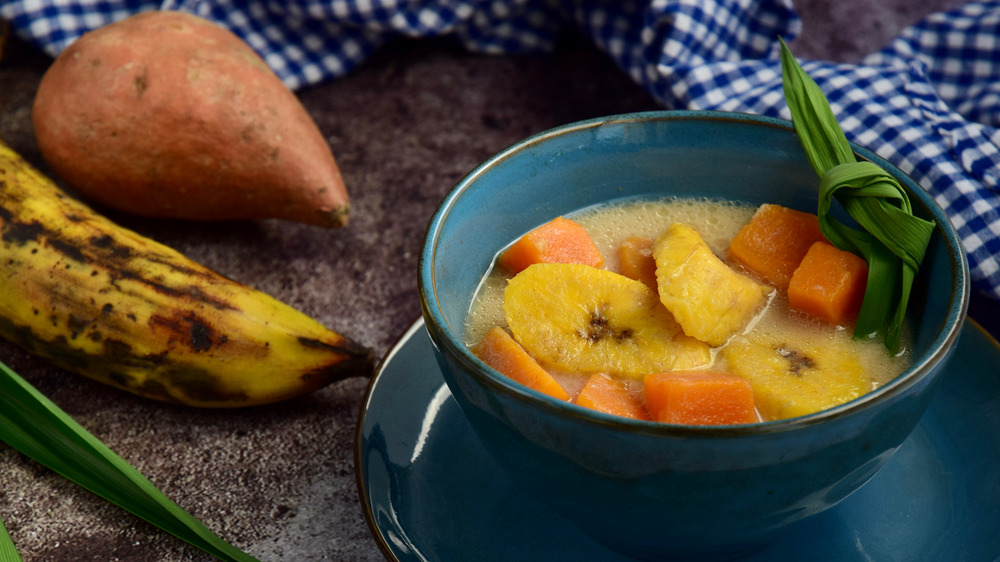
[[796, 371], [709, 299], [583, 319]]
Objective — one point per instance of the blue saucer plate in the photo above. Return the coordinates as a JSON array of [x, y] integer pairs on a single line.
[[430, 491]]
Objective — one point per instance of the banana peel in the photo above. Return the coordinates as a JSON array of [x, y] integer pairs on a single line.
[[102, 301]]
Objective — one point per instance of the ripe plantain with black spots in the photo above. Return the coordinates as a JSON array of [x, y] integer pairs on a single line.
[[100, 300]]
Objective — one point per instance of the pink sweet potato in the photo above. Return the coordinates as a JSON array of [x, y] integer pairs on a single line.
[[166, 114]]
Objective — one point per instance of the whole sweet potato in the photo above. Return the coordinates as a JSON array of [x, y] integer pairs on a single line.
[[169, 115]]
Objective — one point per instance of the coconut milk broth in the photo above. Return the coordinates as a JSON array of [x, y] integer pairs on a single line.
[[717, 221]]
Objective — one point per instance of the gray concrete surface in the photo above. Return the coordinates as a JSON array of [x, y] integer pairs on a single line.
[[278, 481]]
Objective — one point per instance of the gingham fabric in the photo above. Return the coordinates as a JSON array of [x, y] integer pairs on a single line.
[[929, 102]]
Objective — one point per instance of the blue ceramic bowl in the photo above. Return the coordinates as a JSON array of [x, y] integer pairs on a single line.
[[646, 489]]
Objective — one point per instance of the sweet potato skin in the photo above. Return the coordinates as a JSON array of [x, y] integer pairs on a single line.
[[166, 114]]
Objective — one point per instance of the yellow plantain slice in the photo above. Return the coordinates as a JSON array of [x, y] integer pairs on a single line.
[[797, 372], [583, 319], [709, 299]]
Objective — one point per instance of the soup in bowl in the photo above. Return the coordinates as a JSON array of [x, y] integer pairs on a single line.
[[651, 486]]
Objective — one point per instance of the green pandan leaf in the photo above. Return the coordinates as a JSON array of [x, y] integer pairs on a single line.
[[890, 238], [8, 553], [35, 426]]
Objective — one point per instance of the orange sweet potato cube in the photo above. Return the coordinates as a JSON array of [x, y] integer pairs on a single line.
[[829, 284], [560, 240], [604, 394], [499, 350], [774, 242], [699, 398]]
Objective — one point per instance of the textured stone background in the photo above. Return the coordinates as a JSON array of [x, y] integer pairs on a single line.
[[278, 481]]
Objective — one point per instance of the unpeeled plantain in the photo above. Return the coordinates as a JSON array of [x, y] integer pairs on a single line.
[[103, 301]]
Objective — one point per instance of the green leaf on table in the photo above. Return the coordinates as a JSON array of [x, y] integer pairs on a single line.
[[8, 553], [35, 426], [891, 239]]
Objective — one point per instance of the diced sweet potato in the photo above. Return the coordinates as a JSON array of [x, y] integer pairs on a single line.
[[699, 398], [560, 240], [635, 255], [604, 394], [498, 350], [774, 241], [829, 284]]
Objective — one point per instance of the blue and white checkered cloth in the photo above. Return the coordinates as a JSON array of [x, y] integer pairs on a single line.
[[929, 102]]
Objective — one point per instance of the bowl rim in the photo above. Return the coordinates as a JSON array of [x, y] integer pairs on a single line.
[[442, 335]]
